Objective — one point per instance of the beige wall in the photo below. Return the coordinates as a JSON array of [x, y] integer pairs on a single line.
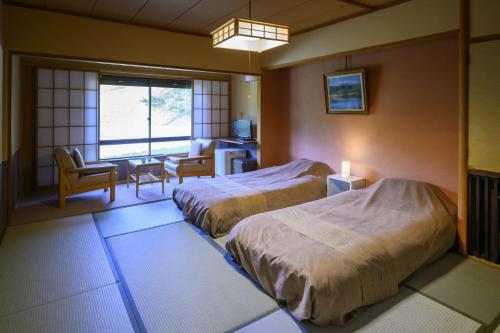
[[409, 20], [484, 88], [484, 17], [245, 103], [411, 130], [245, 99], [39, 31]]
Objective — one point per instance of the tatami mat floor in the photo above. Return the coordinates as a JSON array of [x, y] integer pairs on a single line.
[[143, 269]]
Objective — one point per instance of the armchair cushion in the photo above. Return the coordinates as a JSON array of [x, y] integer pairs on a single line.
[[77, 156], [195, 149], [64, 158], [207, 149], [65, 161], [187, 167], [94, 179], [94, 168], [175, 159]]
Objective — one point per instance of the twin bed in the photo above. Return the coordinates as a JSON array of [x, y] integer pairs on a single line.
[[324, 257], [216, 205]]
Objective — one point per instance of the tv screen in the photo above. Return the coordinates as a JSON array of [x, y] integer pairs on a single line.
[[242, 129]]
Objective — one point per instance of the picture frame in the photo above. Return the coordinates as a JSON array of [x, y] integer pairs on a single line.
[[345, 92]]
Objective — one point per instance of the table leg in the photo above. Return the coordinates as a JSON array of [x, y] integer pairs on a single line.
[[162, 179], [137, 178], [128, 174]]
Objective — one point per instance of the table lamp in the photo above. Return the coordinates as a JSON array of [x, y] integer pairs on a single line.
[[346, 169]]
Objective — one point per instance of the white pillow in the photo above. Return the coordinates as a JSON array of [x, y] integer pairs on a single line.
[[195, 149]]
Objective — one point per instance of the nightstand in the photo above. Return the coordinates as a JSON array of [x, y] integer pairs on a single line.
[[336, 184]]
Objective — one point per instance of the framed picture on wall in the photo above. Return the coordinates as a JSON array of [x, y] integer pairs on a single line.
[[345, 92]]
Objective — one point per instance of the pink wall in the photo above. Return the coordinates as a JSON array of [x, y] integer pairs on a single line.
[[412, 127]]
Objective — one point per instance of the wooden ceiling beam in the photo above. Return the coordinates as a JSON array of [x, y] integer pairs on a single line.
[[358, 4]]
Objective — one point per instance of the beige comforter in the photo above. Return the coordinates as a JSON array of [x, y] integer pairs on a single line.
[[216, 205], [329, 257]]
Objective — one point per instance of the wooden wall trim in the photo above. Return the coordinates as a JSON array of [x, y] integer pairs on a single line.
[[121, 69], [486, 38], [115, 62], [463, 124]]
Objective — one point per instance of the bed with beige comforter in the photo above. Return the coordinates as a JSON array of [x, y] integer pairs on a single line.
[[216, 205], [329, 257]]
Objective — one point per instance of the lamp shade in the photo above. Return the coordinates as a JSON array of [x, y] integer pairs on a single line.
[[250, 35], [346, 169]]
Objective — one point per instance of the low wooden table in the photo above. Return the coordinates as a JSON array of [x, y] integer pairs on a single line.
[[142, 178]]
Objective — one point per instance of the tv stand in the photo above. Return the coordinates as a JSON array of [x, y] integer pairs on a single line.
[[238, 141]]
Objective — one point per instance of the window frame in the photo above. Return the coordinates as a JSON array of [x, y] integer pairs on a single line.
[[141, 82]]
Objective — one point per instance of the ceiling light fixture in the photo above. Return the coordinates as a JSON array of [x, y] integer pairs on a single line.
[[250, 35]]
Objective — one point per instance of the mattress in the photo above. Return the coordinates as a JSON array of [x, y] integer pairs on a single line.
[[326, 258], [216, 205]]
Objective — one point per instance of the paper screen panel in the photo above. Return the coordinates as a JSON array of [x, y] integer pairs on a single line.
[[211, 108], [66, 115]]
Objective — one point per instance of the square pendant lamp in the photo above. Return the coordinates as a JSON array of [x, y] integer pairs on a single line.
[[250, 35]]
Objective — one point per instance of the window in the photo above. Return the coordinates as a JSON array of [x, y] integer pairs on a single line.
[[143, 116]]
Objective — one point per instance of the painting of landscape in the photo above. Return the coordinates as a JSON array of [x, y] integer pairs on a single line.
[[345, 92]]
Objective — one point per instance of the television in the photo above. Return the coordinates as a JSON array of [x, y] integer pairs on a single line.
[[242, 129]]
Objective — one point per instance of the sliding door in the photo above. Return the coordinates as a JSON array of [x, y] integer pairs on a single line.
[[66, 115]]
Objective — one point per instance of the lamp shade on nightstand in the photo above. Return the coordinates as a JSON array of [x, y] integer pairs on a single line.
[[346, 169]]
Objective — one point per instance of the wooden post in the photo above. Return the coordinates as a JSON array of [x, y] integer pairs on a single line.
[[463, 123]]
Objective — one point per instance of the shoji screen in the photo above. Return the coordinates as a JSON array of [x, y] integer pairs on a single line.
[[211, 108], [66, 115]]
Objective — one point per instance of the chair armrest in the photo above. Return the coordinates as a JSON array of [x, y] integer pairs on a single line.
[[194, 159], [177, 155], [95, 162], [103, 168]]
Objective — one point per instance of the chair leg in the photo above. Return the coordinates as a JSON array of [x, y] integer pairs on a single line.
[[62, 200], [180, 179], [62, 195], [112, 182], [167, 175], [162, 180]]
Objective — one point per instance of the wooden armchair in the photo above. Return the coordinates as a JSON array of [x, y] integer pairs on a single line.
[[92, 176], [182, 165]]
